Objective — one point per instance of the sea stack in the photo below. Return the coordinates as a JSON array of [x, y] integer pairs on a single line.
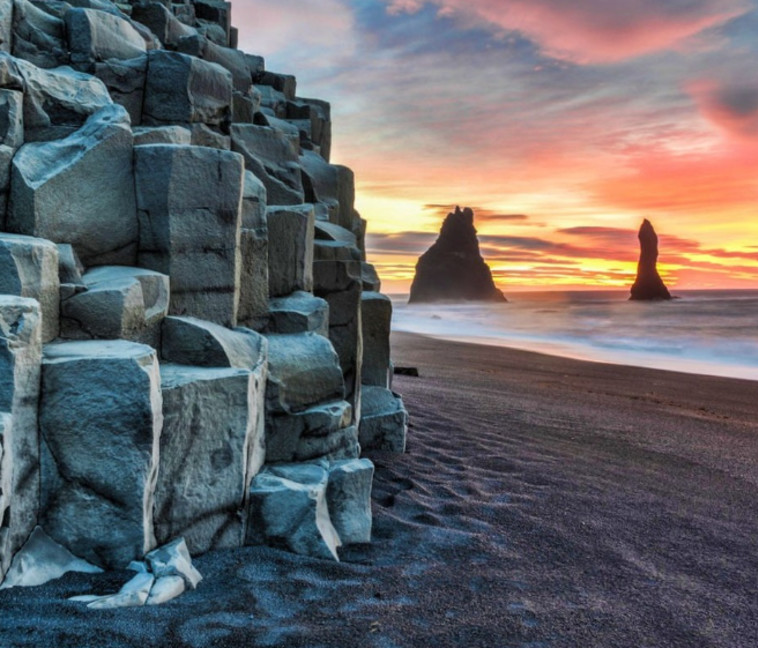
[[648, 285], [453, 268]]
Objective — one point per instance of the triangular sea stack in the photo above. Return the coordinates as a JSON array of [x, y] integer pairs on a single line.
[[648, 285], [453, 268]]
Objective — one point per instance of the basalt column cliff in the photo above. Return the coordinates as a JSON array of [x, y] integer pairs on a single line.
[[192, 344], [453, 268], [648, 285]]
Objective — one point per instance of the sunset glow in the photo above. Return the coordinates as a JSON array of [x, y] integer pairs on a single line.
[[562, 125]]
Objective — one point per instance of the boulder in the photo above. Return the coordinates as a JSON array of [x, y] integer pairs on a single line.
[[212, 445], [189, 201], [453, 268], [98, 480], [183, 89], [11, 119], [303, 371], [202, 135], [288, 509], [273, 156], [339, 283], [194, 342], [299, 312], [216, 12], [348, 495], [125, 80], [290, 245], [320, 123], [161, 22], [173, 559], [100, 225], [376, 318], [29, 268], [230, 59], [254, 260], [119, 303], [133, 594], [384, 420], [370, 278], [648, 285], [38, 37], [162, 135], [330, 183], [41, 560], [20, 358], [95, 35], [56, 102], [245, 105], [311, 434]]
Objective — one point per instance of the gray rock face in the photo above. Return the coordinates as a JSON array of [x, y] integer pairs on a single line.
[[317, 432], [273, 157], [183, 89], [331, 184], [20, 358], [376, 318], [125, 81], [299, 312], [11, 118], [189, 201], [303, 371], [38, 37], [384, 420], [253, 304], [56, 102], [29, 268], [118, 303], [99, 36], [98, 480], [194, 342], [348, 495], [161, 22], [211, 447], [162, 135], [288, 509], [6, 26], [230, 59], [100, 225], [290, 245]]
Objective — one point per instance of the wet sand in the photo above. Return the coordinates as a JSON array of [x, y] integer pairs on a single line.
[[542, 502]]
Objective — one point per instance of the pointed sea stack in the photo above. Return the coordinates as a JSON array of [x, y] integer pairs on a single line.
[[453, 268], [648, 285]]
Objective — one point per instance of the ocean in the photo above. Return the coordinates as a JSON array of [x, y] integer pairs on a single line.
[[712, 332]]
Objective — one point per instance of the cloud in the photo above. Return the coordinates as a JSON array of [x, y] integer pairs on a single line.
[[731, 105], [592, 31], [480, 213]]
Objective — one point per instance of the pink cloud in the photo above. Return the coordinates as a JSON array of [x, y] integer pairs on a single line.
[[593, 31], [731, 105]]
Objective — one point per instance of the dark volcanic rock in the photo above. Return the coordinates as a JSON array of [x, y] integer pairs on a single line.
[[648, 285], [453, 267]]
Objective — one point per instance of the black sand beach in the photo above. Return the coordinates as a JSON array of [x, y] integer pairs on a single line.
[[543, 502]]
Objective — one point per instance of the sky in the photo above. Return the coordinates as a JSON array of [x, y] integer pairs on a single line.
[[562, 124]]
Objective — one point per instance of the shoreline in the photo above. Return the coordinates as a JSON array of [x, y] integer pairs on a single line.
[[542, 501]]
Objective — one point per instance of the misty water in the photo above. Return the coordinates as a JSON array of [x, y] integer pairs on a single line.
[[706, 332]]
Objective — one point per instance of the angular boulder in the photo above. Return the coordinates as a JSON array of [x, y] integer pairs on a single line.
[[299, 312], [29, 268], [384, 420], [125, 80], [290, 249], [254, 260], [118, 303], [288, 509], [195, 342], [6, 26], [162, 135], [182, 89], [38, 37], [98, 480], [303, 371], [20, 360], [100, 36], [212, 445], [11, 119], [272, 156], [189, 200], [376, 319], [348, 495], [101, 225]]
